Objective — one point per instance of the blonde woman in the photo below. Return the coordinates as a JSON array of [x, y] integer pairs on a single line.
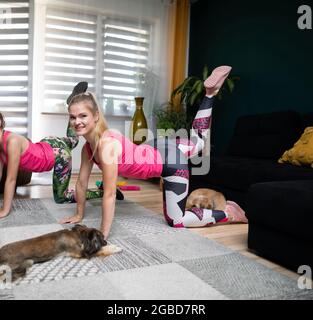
[[115, 154]]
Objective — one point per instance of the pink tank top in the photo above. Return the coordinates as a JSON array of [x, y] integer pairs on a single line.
[[136, 161], [38, 157]]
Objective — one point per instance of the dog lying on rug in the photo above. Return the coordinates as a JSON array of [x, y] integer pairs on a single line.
[[79, 242]]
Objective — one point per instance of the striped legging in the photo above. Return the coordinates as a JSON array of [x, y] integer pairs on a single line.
[[176, 173]]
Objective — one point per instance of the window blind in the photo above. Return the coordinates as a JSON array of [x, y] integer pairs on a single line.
[[110, 54], [70, 54], [14, 37], [125, 54]]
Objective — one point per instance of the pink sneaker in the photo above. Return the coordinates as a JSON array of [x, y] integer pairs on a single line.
[[215, 81], [235, 212]]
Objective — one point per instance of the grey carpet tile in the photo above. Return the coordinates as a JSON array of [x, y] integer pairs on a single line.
[[183, 245], [91, 213], [142, 225], [59, 269], [126, 208], [135, 254], [27, 212], [157, 261], [239, 278], [84, 288], [117, 230], [306, 294], [162, 282], [12, 234], [53, 206], [6, 294]]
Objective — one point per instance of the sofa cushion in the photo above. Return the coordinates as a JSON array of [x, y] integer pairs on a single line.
[[302, 151], [285, 206], [265, 136], [239, 173]]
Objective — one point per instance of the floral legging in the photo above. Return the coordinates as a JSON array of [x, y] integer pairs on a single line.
[[62, 149]]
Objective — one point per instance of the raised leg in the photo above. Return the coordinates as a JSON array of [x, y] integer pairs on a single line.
[[201, 125]]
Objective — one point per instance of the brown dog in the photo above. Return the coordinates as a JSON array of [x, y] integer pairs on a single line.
[[207, 199], [79, 242]]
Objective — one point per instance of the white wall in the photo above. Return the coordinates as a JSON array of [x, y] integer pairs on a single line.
[[55, 124]]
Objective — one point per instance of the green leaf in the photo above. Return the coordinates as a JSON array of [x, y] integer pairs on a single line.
[[230, 83], [200, 87], [193, 98], [195, 85], [205, 72]]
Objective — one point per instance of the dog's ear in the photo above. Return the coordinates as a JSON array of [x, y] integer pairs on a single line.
[[93, 241], [97, 239]]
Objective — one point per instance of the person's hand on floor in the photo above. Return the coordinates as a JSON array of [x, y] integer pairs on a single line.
[[73, 219], [3, 213]]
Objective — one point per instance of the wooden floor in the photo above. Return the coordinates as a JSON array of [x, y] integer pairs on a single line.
[[233, 236]]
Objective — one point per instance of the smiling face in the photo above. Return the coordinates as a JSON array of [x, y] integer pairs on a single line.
[[82, 119]]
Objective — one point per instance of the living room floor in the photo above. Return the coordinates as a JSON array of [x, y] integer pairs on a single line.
[[233, 236]]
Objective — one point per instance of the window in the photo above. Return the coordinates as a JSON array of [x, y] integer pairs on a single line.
[[110, 54], [125, 57], [70, 55], [14, 38]]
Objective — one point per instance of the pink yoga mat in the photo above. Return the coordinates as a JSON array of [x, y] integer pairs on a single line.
[[129, 188]]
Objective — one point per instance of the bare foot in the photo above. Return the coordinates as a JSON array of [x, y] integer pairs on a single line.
[[235, 212]]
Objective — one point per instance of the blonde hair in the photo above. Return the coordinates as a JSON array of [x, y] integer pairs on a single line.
[[91, 101]]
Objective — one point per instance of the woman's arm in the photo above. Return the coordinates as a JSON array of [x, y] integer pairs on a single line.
[[81, 187], [1, 169], [109, 151], [14, 154]]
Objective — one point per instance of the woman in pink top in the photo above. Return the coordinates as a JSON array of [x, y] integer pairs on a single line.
[[17, 152], [115, 154]]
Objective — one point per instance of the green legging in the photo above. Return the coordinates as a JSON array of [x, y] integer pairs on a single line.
[[62, 149]]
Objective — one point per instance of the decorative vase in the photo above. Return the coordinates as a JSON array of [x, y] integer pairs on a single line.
[[139, 127]]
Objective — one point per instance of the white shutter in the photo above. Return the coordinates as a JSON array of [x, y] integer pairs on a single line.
[[70, 55], [125, 56], [14, 37]]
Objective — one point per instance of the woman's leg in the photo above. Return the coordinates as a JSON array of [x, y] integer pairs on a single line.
[[71, 138], [176, 177], [175, 192], [62, 148], [200, 130], [201, 125]]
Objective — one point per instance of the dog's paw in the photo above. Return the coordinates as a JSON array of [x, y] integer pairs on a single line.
[[108, 250], [114, 249]]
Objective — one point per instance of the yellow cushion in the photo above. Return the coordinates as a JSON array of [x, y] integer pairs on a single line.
[[302, 151]]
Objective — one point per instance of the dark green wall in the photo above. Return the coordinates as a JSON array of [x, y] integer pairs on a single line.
[[262, 42]]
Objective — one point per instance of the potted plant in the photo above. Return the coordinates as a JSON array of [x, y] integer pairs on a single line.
[[170, 120]]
